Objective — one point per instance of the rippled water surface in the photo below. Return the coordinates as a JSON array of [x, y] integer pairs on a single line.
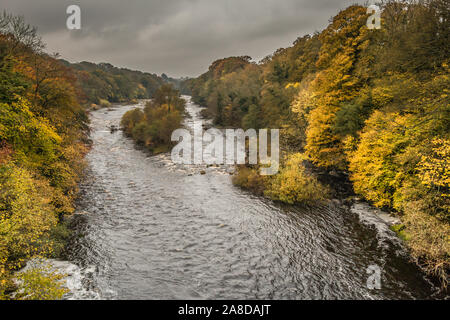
[[154, 230]]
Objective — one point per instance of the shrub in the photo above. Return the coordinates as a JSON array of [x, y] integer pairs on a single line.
[[294, 185], [248, 178], [40, 283], [26, 216], [130, 119], [104, 103]]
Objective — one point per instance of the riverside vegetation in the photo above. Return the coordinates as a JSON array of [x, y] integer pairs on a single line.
[[43, 139], [373, 103], [153, 126], [43, 130]]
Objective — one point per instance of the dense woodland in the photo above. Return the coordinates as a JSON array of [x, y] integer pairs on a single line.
[[371, 103], [103, 83]]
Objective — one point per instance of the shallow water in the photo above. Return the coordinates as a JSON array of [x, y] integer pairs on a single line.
[[154, 230]]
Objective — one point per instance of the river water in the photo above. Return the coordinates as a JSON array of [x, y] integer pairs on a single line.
[[149, 229]]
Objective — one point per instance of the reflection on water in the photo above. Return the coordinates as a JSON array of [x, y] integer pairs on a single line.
[[155, 230]]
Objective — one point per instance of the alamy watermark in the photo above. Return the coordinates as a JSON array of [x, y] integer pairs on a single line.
[[215, 146], [74, 20], [374, 21], [374, 279]]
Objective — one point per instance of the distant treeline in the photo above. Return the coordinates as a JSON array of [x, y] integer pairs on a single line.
[[179, 84], [373, 103], [102, 83]]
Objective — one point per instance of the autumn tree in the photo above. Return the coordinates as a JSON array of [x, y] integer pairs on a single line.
[[342, 43]]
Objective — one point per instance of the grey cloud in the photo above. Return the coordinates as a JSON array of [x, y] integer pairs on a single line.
[[178, 37]]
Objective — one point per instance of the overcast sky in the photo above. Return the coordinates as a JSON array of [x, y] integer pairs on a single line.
[[177, 37]]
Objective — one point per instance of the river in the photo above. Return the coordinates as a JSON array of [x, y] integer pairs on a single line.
[[149, 229]]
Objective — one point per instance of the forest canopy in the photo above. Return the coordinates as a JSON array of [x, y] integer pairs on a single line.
[[103, 81]]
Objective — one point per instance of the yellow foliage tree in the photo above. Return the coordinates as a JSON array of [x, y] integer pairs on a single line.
[[26, 216], [375, 174], [294, 185], [342, 41], [434, 169]]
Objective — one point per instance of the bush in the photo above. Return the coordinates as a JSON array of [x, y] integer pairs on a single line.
[[294, 185], [40, 283], [130, 119], [26, 217], [58, 237], [104, 103], [249, 178]]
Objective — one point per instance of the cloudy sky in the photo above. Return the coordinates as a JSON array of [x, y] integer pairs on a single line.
[[177, 37]]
